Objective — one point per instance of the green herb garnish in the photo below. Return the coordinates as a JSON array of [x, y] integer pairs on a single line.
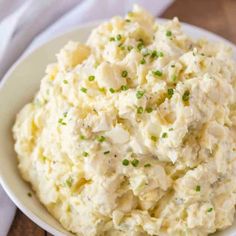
[[69, 182], [125, 162], [130, 48], [164, 135], [143, 61], [135, 162], [154, 138], [85, 154], [124, 73], [60, 121], [170, 92], [168, 33], [112, 90], [124, 87], [198, 188], [84, 90], [173, 78], [185, 96], [101, 139], [118, 37], [139, 94], [140, 46], [91, 78], [149, 109], [139, 110], [210, 209], [147, 165], [157, 73]]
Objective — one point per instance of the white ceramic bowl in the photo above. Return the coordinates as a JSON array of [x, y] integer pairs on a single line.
[[17, 88]]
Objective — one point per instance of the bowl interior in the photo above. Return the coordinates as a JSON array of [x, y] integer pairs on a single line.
[[17, 88]]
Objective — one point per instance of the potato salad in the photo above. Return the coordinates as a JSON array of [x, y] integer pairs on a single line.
[[133, 133]]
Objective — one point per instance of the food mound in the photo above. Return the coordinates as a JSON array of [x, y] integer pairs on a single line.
[[134, 132]]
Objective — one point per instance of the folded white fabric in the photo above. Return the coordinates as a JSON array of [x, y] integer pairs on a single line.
[[25, 24], [7, 212]]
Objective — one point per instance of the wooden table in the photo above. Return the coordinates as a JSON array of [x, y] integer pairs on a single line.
[[218, 16]]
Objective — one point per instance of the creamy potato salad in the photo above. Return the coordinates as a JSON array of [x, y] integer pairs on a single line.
[[133, 132]]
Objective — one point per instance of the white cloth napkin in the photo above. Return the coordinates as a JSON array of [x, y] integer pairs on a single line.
[[25, 24]]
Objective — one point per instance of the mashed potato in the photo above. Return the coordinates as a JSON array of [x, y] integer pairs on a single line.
[[133, 132]]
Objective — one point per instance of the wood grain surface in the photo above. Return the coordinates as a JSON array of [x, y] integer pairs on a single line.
[[218, 16]]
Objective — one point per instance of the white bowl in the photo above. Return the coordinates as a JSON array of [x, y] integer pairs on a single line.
[[17, 88]]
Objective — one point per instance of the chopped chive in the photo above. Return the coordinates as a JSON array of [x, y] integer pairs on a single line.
[[154, 54], [69, 182], [198, 188], [139, 110], [101, 139], [168, 33], [154, 138], [140, 46], [157, 73], [68, 208], [84, 90], [106, 152], [102, 90], [149, 109], [125, 162], [65, 114], [139, 94], [143, 61], [60, 121], [124, 73], [128, 20], [135, 162], [124, 87], [65, 81], [147, 165], [172, 66], [111, 90], [130, 48], [160, 54], [185, 96], [173, 78], [171, 129], [164, 135], [210, 209], [112, 39], [85, 154], [82, 137], [118, 37], [91, 78], [29, 194], [170, 92]]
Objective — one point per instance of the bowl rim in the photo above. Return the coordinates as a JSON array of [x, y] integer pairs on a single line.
[[27, 211]]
